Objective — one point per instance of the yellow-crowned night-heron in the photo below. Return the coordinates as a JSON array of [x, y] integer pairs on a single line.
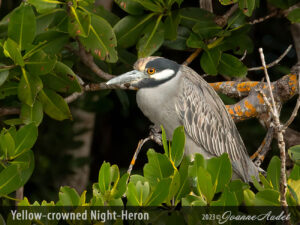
[[172, 95]]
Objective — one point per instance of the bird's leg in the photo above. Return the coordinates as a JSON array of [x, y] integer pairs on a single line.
[[155, 134]]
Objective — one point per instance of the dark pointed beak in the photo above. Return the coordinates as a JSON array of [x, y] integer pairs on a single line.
[[127, 79]]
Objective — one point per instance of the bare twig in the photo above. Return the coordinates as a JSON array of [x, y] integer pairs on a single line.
[[206, 4], [244, 56], [263, 148], [192, 57], [274, 62], [287, 11], [262, 19], [230, 12], [136, 153], [9, 111], [281, 144], [73, 97], [19, 194]]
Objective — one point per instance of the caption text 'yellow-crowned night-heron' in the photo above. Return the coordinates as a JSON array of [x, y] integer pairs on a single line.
[[172, 95]]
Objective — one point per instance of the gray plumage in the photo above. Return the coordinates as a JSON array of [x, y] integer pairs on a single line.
[[187, 99]]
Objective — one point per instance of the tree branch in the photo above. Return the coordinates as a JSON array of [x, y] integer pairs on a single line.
[[281, 144], [9, 111], [88, 60], [274, 62]]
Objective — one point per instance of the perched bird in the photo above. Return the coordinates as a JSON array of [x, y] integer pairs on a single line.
[[173, 95]]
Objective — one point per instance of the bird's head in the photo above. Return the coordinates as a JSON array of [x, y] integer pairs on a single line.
[[148, 72]]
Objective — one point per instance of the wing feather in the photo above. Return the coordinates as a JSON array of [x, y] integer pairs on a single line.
[[208, 123]]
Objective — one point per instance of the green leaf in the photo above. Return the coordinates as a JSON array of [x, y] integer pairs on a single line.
[[102, 12], [13, 122], [26, 138], [174, 186], [17, 173], [7, 145], [267, 184], [30, 85], [220, 171], [41, 63], [157, 168], [237, 187], [164, 141], [62, 79], [54, 105], [190, 16], [247, 6], [160, 193], [104, 177], [121, 186], [227, 2], [238, 43], [204, 184], [267, 198], [181, 39], [195, 42], [43, 21], [22, 26], [171, 25], [43, 6], [34, 49], [3, 74], [283, 4], [236, 20], [101, 40], [199, 161], [32, 114], [184, 180], [231, 66], [192, 200], [79, 23], [131, 7], [273, 172], [8, 88], [132, 195], [209, 61], [294, 153], [227, 198], [148, 4], [249, 197], [68, 197], [294, 188], [152, 39], [295, 174], [206, 29], [135, 178], [137, 193], [55, 41], [129, 28], [12, 51], [178, 142]]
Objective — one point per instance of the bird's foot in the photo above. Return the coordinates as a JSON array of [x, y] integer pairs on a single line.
[[155, 134]]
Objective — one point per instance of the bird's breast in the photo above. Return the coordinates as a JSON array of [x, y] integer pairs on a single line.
[[159, 107]]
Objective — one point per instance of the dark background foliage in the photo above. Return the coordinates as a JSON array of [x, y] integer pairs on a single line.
[[120, 124]]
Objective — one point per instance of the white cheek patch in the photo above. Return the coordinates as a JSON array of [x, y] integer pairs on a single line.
[[165, 74]]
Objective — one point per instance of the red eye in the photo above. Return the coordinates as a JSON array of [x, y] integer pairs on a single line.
[[150, 71]]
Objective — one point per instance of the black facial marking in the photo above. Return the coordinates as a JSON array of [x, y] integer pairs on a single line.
[[161, 64]]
